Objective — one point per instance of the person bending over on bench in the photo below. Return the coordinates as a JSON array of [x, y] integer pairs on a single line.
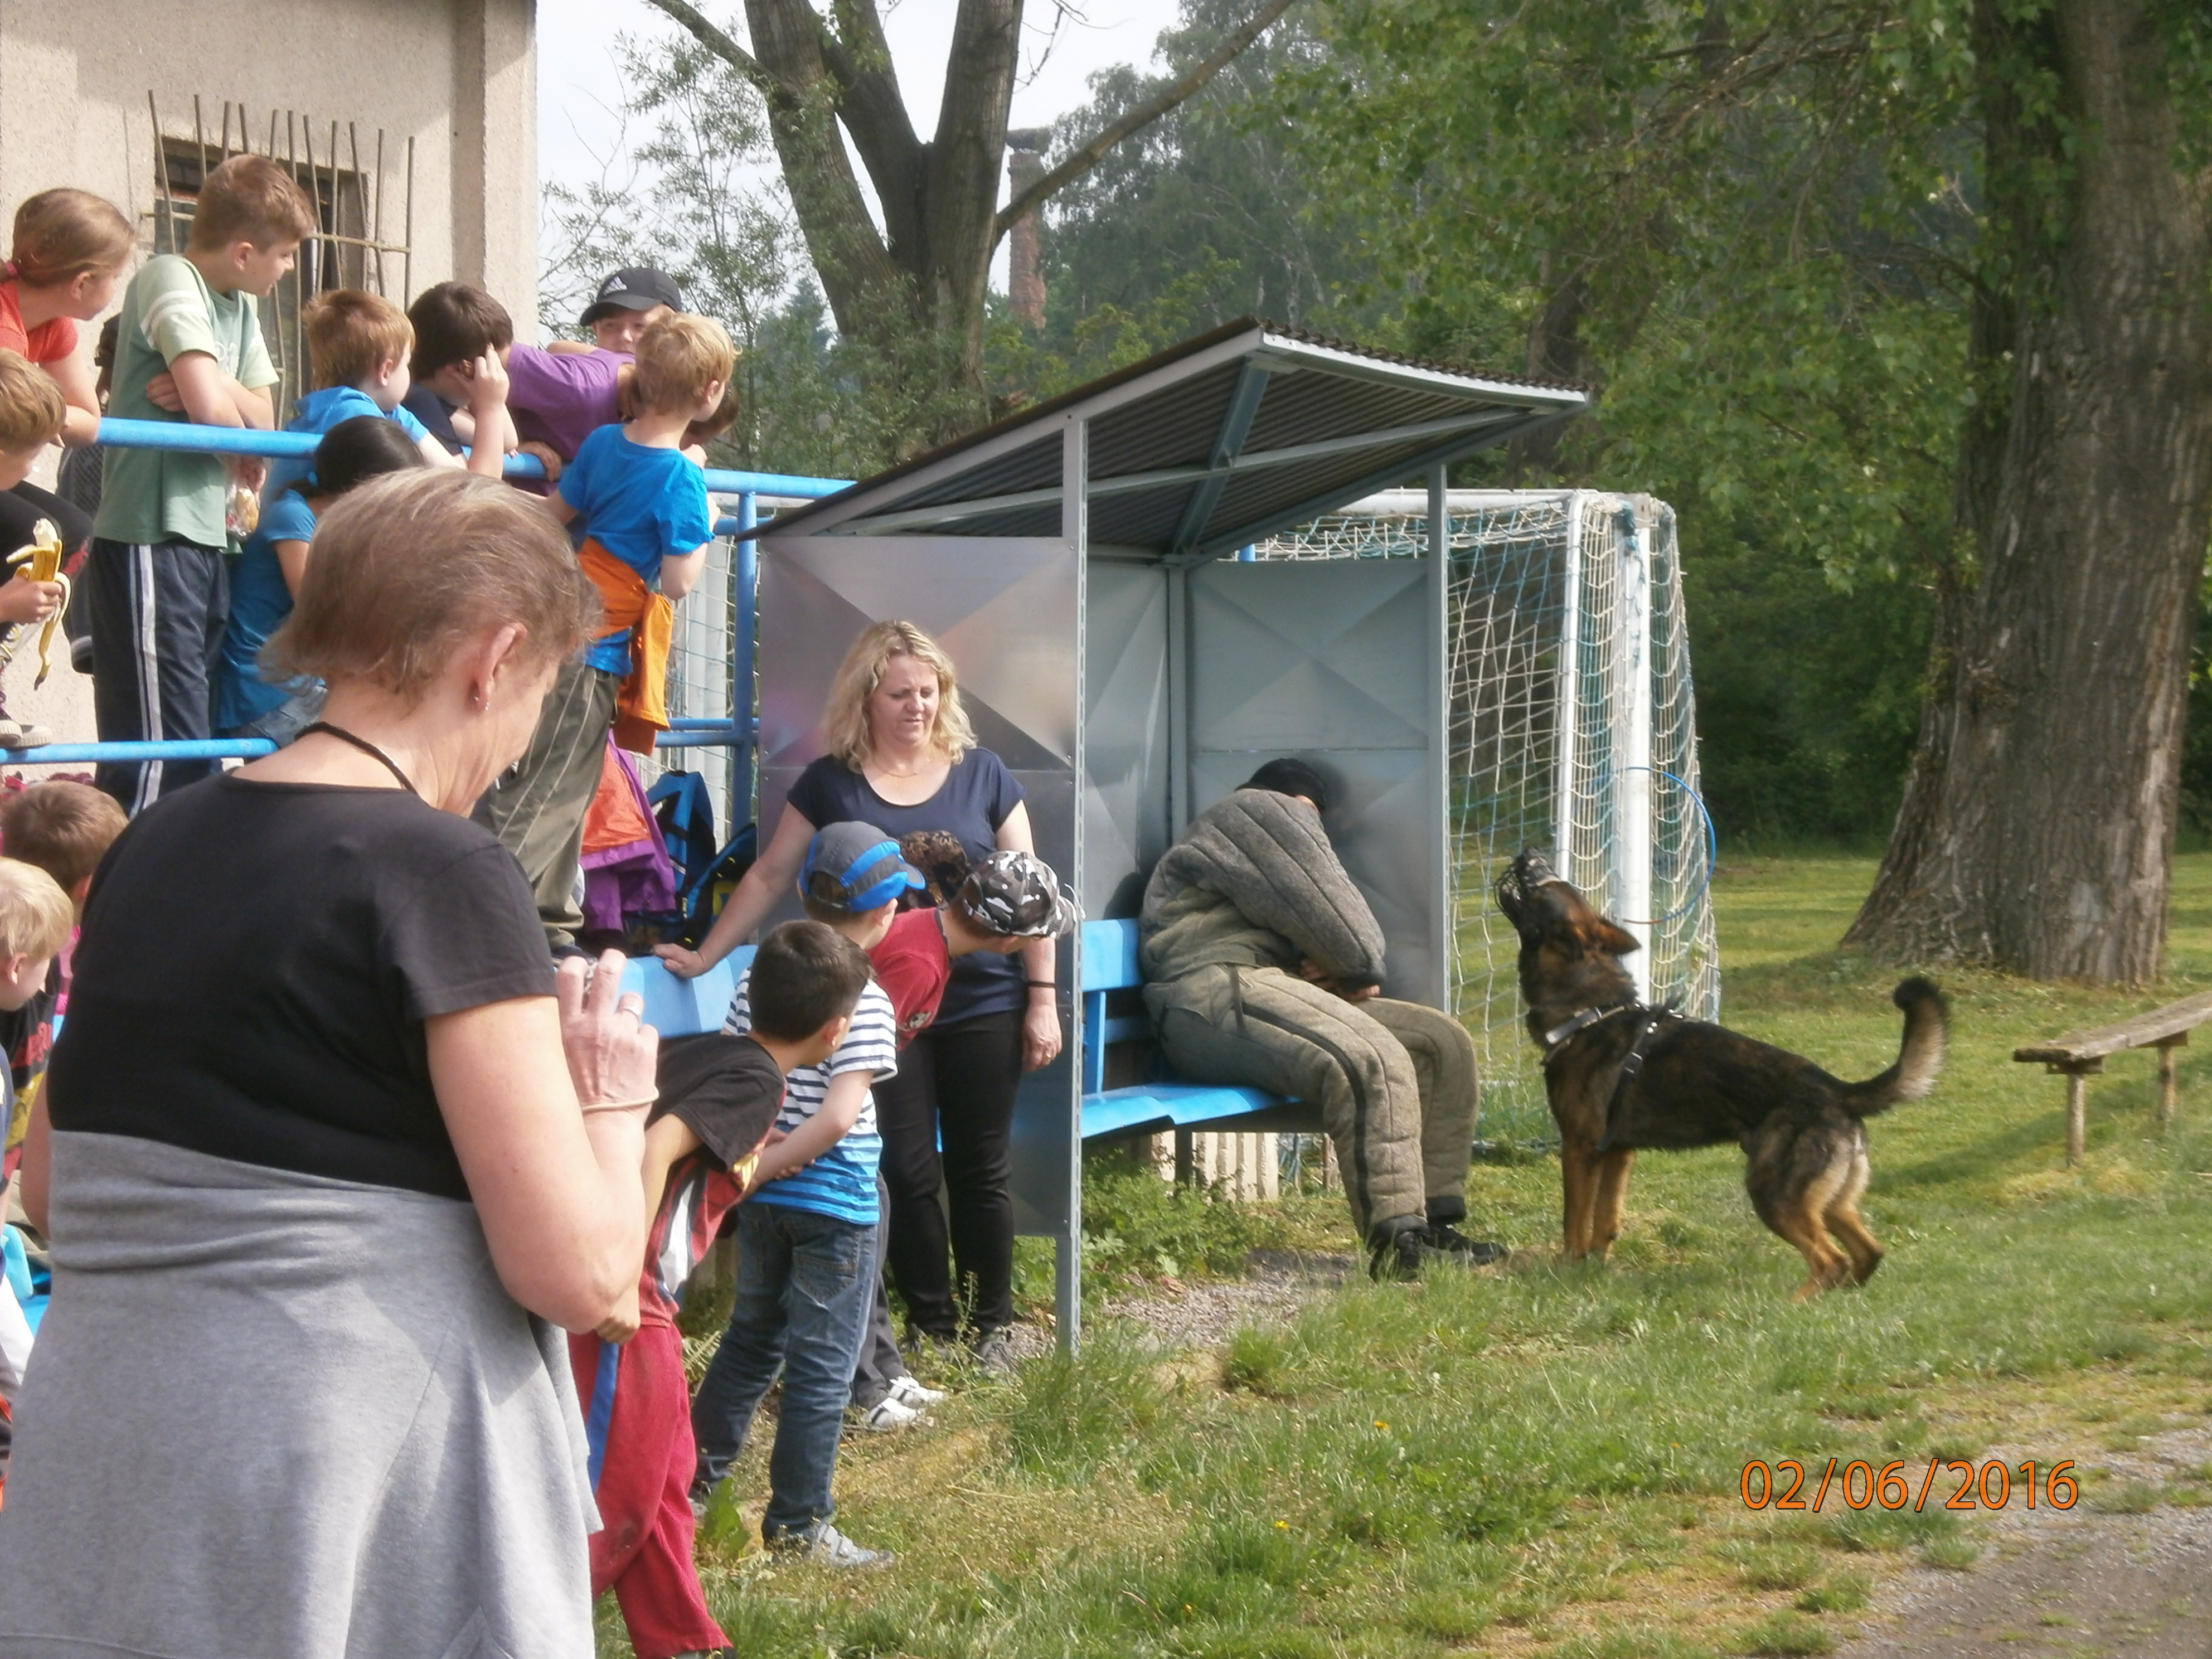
[[1263, 966]]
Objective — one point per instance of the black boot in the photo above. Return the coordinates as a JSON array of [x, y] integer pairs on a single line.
[[1442, 1236], [1396, 1248]]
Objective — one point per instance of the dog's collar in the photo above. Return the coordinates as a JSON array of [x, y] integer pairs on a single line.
[[1559, 1034]]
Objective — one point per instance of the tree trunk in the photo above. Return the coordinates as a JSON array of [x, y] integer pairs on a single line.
[[2038, 826]]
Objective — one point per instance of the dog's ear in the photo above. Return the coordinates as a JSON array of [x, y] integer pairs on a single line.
[[1597, 933]]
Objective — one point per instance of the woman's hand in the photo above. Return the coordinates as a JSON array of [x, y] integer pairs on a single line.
[[23, 600], [1040, 1036], [610, 1049], [622, 1324]]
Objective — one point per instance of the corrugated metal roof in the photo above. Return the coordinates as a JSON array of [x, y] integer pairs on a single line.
[[1206, 446]]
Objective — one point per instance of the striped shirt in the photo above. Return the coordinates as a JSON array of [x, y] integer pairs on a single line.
[[842, 1182]]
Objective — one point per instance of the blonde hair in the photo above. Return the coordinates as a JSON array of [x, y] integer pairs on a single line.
[[35, 914], [30, 407], [352, 333], [63, 234], [845, 717], [678, 358], [250, 198], [410, 565]]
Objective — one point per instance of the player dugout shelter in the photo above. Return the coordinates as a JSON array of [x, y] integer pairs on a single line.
[[1078, 561]]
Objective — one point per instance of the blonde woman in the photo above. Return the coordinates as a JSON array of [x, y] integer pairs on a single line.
[[903, 757]]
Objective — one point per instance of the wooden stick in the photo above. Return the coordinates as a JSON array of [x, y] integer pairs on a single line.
[[2169, 1082], [2077, 1104]]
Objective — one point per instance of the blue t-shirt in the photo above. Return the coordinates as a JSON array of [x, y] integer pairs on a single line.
[[642, 505], [260, 602], [842, 1182], [971, 804], [318, 411]]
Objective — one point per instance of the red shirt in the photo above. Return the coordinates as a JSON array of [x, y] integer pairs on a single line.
[[53, 338], [913, 965]]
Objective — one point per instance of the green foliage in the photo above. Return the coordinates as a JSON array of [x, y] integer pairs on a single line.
[[1135, 1221]]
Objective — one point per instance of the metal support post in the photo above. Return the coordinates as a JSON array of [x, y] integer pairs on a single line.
[[1067, 1249], [1566, 725], [1631, 783], [747, 575], [1444, 993]]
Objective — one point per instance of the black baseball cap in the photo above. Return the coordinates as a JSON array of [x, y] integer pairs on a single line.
[[1016, 896], [634, 288], [855, 867]]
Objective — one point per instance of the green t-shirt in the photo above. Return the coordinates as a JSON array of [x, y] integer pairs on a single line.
[[159, 494]]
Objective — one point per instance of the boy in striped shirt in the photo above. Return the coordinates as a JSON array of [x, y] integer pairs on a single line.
[[807, 1259]]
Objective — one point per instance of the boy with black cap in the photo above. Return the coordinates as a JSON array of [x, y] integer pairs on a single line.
[[629, 301]]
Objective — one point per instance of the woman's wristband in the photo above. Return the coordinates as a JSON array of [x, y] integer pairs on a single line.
[[1042, 984]]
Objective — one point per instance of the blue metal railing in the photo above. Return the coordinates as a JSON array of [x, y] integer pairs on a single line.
[[685, 732]]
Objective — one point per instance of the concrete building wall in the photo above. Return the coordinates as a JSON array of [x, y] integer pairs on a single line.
[[458, 77]]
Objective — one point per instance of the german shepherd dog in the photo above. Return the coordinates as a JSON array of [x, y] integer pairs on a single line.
[[1622, 1076]]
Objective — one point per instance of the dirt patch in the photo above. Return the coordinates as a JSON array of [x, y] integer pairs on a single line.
[[1171, 1315], [2075, 1583]]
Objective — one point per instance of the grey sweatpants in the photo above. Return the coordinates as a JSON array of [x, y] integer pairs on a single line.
[[537, 810], [1396, 1081]]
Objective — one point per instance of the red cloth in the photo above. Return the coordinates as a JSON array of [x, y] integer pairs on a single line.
[[56, 337], [642, 1550], [913, 965], [616, 816]]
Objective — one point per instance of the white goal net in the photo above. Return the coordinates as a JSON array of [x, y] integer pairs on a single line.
[[1573, 729]]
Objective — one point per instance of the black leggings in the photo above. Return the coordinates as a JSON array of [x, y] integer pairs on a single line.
[[959, 1080]]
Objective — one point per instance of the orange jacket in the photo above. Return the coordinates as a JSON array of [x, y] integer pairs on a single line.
[[641, 705]]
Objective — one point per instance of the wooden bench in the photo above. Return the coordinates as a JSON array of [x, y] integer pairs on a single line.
[[2081, 1056], [682, 1007]]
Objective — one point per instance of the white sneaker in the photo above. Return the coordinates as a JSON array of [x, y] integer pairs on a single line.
[[888, 1414], [824, 1543], [909, 1392]]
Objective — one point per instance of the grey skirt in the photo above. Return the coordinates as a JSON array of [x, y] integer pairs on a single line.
[[272, 1416]]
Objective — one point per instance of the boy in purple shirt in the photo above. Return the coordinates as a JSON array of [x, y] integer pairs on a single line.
[[556, 398]]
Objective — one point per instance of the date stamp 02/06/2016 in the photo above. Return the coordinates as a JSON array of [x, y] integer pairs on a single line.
[[1859, 1483]]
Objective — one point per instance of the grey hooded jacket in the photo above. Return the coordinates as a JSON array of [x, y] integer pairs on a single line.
[[1254, 882]]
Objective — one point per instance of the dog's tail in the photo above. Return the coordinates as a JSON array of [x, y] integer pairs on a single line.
[[1919, 1058]]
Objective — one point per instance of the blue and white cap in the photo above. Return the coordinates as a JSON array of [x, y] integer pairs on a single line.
[[856, 868]]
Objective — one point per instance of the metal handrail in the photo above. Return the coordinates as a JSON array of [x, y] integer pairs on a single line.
[[738, 734], [185, 437]]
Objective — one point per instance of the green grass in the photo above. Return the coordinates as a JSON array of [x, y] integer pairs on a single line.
[[1547, 1462]]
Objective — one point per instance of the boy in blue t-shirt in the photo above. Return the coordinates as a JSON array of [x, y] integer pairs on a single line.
[[247, 703], [641, 505], [807, 1260], [359, 343]]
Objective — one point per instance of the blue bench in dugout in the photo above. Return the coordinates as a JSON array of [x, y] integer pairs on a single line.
[[681, 1007]]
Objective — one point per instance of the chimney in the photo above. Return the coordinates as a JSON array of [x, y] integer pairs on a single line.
[[1024, 282]]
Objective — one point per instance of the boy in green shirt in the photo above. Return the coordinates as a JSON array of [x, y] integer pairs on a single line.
[[188, 348]]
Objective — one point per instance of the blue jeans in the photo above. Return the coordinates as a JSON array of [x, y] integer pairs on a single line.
[[804, 1281], [288, 719]]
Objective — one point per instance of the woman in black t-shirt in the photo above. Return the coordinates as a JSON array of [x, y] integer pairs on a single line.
[[322, 1152], [903, 758]]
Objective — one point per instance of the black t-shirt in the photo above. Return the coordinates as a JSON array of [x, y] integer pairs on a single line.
[[971, 804], [257, 963], [726, 1089]]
